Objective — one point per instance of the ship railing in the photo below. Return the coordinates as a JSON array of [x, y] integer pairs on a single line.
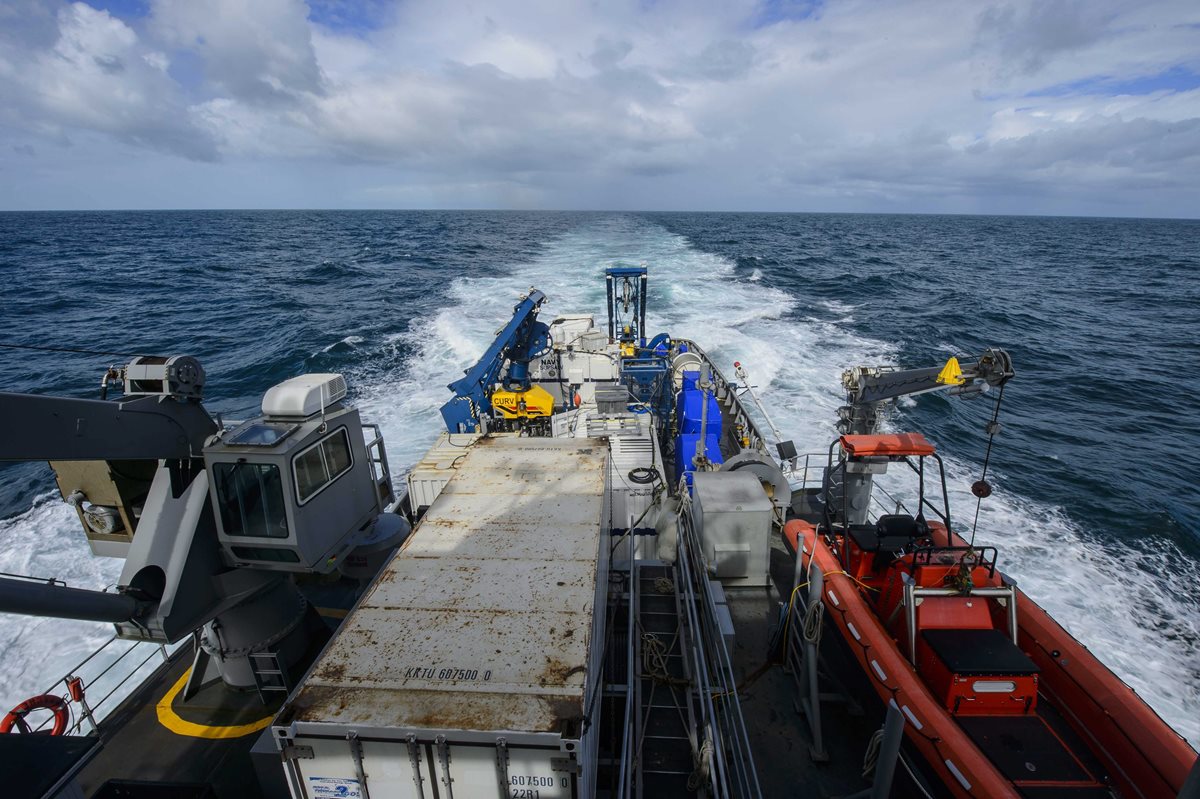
[[32, 579], [806, 468], [381, 473], [116, 674], [731, 772], [625, 782], [892, 505]]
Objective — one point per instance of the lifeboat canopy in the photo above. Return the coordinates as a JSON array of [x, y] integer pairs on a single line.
[[894, 445]]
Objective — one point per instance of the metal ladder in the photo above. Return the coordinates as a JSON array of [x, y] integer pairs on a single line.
[[667, 713], [269, 675]]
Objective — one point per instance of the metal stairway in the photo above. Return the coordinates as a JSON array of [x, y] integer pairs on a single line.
[[668, 720], [269, 675]]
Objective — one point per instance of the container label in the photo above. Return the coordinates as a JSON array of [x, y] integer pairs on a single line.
[[333, 788], [457, 675]]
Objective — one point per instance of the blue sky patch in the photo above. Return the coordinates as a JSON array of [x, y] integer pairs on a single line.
[[187, 69], [1175, 79], [770, 12], [122, 9], [347, 16]]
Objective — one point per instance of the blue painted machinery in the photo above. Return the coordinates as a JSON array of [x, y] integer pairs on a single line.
[[698, 420], [626, 286], [644, 368], [522, 339]]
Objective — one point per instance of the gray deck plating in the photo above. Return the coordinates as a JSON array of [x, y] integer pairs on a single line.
[[482, 621]]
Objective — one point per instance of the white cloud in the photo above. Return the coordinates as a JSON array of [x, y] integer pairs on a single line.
[[257, 52], [97, 76], [859, 106]]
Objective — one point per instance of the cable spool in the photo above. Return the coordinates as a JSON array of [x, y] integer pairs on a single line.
[[684, 362], [768, 473]]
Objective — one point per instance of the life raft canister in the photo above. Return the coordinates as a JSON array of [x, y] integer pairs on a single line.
[[55, 704]]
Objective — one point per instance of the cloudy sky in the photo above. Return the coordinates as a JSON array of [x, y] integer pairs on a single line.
[[1053, 106]]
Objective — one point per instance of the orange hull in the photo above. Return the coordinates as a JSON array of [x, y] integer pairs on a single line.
[[1143, 756]]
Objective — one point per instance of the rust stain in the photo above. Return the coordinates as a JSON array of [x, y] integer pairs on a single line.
[[333, 672], [564, 711], [556, 672]]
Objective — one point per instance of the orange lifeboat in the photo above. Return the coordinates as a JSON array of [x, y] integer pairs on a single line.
[[999, 700]]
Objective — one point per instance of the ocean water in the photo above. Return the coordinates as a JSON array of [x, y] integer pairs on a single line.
[[1096, 510]]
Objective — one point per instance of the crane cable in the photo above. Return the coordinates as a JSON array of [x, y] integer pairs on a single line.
[[980, 488]]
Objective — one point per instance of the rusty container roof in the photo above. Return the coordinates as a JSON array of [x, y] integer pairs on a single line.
[[483, 620]]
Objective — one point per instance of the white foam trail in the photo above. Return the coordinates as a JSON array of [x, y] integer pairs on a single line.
[[1134, 605], [349, 341], [48, 541], [1137, 616]]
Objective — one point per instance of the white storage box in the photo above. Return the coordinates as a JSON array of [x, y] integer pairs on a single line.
[[733, 516]]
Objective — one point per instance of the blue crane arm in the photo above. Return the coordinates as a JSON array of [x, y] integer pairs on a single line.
[[521, 339]]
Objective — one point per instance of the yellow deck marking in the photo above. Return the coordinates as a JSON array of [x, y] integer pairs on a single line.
[[171, 720], [333, 613]]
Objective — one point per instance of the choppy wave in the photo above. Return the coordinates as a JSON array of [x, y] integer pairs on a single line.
[[1133, 603], [46, 541], [1134, 607]]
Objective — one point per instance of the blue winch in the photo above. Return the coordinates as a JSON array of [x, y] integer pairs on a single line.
[[698, 417]]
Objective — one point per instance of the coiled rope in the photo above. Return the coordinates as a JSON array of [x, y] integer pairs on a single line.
[[703, 766], [654, 661], [871, 757], [812, 623]]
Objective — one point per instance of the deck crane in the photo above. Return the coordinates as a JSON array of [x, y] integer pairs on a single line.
[[213, 524], [477, 399], [868, 388]]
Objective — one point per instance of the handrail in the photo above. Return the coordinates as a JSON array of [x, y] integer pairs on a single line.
[[791, 467], [32, 579], [62, 686], [733, 773], [913, 593], [900, 506], [377, 459], [625, 781]]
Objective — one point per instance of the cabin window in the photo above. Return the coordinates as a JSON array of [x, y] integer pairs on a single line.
[[250, 498], [261, 434], [321, 464]]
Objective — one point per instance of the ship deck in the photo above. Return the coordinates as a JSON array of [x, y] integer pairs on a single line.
[[217, 743], [155, 745], [779, 735]]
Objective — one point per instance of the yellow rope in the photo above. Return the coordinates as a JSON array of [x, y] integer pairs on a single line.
[[855, 579], [787, 624]]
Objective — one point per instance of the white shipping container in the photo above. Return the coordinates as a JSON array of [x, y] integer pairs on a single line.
[[631, 500], [469, 666], [429, 476]]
